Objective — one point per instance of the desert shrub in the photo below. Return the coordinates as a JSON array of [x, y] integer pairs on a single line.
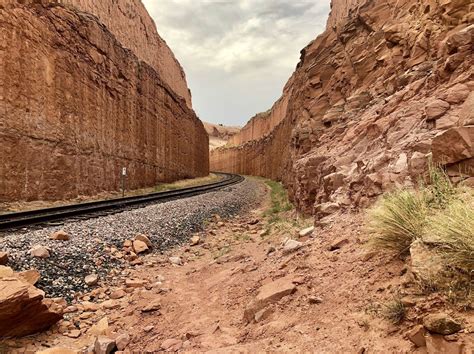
[[397, 220], [453, 232]]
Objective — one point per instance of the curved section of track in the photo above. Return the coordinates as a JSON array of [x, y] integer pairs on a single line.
[[98, 208]]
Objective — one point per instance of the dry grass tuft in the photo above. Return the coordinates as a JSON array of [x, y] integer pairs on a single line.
[[398, 220], [395, 311]]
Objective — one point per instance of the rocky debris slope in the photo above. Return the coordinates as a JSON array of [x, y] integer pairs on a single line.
[[78, 106], [103, 246], [23, 308], [219, 135], [386, 87]]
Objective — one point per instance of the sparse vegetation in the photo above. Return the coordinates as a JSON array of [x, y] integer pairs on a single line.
[[397, 221], [279, 199], [395, 311], [439, 214]]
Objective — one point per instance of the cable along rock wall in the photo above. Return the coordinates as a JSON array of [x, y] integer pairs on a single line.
[[77, 105], [386, 87]]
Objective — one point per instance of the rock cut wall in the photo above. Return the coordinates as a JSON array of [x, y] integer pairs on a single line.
[[76, 106], [387, 86]]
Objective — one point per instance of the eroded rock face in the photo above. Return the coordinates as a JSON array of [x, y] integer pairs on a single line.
[[367, 105], [77, 106]]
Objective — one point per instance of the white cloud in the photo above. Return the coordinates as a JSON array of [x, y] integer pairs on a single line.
[[237, 52]]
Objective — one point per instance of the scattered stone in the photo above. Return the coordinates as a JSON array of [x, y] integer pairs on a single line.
[[139, 246], [3, 258], [148, 328], [117, 294], [144, 239], [441, 323], [366, 256], [89, 306], [268, 294], [24, 310], [425, 263], [127, 244], [30, 276], [57, 350], [122, 341], [271, 249], [100, 328], [91, 279], [110, 304], [71, 309], [314, 300], [60, 235], [417, 336], [172, 345], [306, 232], [254, 222], [291, 246], [338, 244], [154, 305], [195, 240], [39, 252], [104, 345], [176, 260], [75, 333], [135, 283]]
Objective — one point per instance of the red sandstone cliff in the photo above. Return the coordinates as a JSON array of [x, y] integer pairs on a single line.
[[77, 105], [387, 86]]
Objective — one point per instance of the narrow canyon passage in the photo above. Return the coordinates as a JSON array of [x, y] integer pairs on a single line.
[[340, 219]]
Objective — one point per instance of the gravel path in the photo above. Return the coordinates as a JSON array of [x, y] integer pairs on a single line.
[[167, 225]]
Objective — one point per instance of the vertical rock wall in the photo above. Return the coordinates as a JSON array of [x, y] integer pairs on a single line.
[[385, 88], [76, 107]]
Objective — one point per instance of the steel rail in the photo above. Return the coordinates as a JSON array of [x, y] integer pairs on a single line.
[[86, 210]]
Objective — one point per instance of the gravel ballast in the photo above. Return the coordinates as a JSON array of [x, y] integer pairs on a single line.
[[88, 250]]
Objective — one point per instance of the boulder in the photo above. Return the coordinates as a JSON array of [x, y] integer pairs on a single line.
[[441, 323], [139, 246], [268, 294], [466, 116], [23, 309], [327, 208], [3, 258], [6, 272], [453, 145], [60, 235], [39, 252], [152, 306], [100, 328], [457, 94], [436, 109], [425, 264], [144, 239]]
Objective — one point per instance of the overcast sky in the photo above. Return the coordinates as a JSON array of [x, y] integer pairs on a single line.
[[237, 54]]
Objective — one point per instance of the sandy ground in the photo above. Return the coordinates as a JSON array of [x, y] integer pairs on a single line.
[[337, 306]]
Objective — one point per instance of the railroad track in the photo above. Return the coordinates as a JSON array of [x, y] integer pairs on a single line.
[[89, 210]]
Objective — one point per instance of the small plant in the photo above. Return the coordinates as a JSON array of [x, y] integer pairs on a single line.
[[440, 191], [398, 220], [395, 311]]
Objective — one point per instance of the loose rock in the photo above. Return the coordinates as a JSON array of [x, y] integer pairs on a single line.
[[91, 279], [306, 232], [139, 246], [39, 252], [104, 345], [60, 236], [3, 258], [195, 240], [176, 260], [291, 246], [417, 336], [122, 341], [441, 323]]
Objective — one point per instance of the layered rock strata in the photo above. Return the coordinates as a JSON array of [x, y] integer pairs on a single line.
[[386, 87], [77, 106]]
